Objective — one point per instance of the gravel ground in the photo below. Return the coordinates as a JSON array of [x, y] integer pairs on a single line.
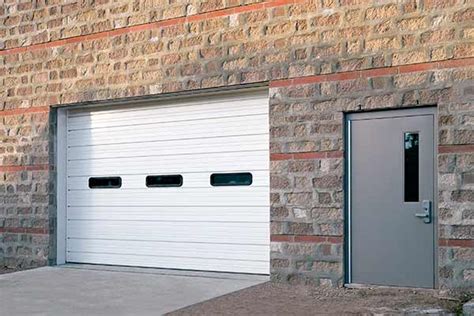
[[282, 299], [4, 270]]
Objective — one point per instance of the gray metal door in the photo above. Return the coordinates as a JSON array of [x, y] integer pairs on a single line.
[[391, 191]]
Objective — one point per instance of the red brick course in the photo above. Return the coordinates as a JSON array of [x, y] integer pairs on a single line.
[[464, 243], [40, 109], [24, 230], [307, 239], [16, 168], [306, 155], [456, 149], [374, 73]]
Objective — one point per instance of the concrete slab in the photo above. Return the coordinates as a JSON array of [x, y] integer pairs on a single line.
[[101, 290]]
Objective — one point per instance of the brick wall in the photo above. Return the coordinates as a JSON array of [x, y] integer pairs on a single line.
[[24, 189], [321, 58], [23, 23]]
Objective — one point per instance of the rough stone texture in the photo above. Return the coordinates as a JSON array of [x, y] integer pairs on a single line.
[[267, 43], [32, 22], [24, 194], [468, 308], [256, 43]]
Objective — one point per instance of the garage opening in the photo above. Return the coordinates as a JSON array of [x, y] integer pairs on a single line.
[[177, 184]]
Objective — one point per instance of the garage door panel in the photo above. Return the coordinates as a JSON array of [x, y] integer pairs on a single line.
[[187, 146], [215, 162], [155, 213], [162, 114], [229, 126], [195, 226], [190, 180], [214, 196], [209, 232], [171, 249], [241, 266]]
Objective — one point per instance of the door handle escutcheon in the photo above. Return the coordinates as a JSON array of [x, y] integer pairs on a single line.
[[427, 213]]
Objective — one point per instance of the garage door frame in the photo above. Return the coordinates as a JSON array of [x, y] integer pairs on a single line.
[[60, 142]]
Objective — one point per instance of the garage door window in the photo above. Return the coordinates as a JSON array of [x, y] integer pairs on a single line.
[[105, 182], [231, 179], [164, 181]]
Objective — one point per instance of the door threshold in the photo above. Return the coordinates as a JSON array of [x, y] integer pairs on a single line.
[[166, 272], [389, 287]]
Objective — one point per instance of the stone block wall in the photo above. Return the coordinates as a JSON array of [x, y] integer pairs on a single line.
[[321, 58], [24, 23], [24, 190]]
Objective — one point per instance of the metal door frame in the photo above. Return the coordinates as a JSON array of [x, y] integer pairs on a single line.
[[59, 141], [379, 114]]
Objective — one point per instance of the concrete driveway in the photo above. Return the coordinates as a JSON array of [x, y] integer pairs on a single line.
[[102, 290]]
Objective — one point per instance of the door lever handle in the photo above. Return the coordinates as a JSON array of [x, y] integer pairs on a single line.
[[427, 213]]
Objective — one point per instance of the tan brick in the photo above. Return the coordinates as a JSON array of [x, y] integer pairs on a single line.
[[381, 12], [410, 80], [437, 36], [327, 21], [412, 24], [468, 33], [464, 15], [384, 43], [464, 50], [280, 28], [410, 57]]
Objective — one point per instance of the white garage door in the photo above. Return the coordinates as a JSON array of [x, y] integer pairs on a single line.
[[177, 185]]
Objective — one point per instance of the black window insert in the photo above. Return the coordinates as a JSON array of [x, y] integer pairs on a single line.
[[231, 179], [412, 168], [105, 182], [163, 181]]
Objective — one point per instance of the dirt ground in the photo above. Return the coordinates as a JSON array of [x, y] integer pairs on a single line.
[[282, 299]]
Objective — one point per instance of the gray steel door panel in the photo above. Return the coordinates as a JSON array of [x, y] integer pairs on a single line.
[[389, 244]]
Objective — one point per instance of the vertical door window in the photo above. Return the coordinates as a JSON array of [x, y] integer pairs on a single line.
[[412, 167]]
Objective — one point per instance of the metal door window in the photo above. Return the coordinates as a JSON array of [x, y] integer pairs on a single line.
[[411, 166]]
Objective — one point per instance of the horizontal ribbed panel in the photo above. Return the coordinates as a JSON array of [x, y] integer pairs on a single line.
[[150, 164], [85, 119], [170, 131], [210, 232], [195, 226], [173, 249], [193, 213], [213, 196], [252, 142]]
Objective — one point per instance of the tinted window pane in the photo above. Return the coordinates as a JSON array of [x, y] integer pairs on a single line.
[[164, 181], [105, 183], [231, 179], [412, 177]]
